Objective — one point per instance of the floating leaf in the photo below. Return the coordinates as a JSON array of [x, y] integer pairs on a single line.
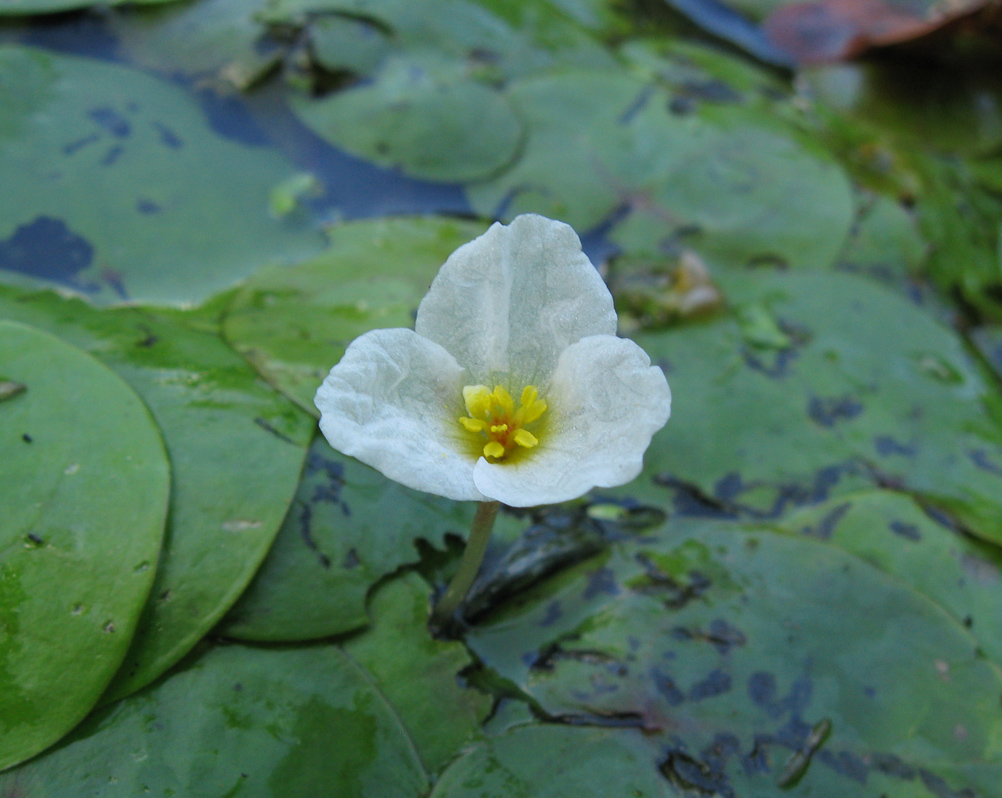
[[422, 114], [498, 40], [717, 179], [891, 532], [236, 448], [293, 324], [215, 38], [870, 390], [347, 528], [84, 483], [292, 722], [556, 761], [417, 674], [97, 170], [732, 647]]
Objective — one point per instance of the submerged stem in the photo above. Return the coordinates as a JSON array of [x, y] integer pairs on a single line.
[[476, 547]]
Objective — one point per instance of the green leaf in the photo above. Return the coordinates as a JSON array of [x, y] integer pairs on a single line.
[[238, 721], [236, 448], [418, 674], [422, 114], [731, 647], [718, 179], [497, 39], [554, 762], [116, 186], [84, 483], [215, 38], [347, 528], [891, 532], [293, 324], [872, 391]]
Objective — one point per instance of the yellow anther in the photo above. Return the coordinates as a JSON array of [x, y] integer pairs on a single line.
[[494, 449], [504, 400], [533, 411], [496, 422], [525, 438], [478, 400]]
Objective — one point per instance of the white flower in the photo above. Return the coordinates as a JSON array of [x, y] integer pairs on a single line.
[[518, 312]]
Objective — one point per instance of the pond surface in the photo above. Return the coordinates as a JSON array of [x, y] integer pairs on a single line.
[[203, 203]]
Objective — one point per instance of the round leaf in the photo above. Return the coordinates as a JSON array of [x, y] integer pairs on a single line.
[[236, 449], [749, 657], [99, 192], [348, 527], [722, 180], [823, 383], [556, 761], [423, 115], [84, 482], [258, 723], [890, 531]]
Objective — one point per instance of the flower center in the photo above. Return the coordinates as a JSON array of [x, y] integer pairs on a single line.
[[494, 419]]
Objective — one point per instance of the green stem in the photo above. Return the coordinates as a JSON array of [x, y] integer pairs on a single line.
[[476, 547]]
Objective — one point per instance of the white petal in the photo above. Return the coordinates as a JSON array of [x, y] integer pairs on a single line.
[[606, 402], [509, 302], [393, 402]]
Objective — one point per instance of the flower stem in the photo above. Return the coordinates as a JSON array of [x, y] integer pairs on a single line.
[[476, 547]]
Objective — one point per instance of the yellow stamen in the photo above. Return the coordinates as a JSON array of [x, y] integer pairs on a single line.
[[503, 398], [478, 400], [473, 424], [494, 419], [525, 438], [494, 449]]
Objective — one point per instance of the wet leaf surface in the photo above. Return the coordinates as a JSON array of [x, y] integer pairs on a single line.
[[219, 39], [79, 539], [423, 115], [714, 178], [348, 527], [723, 643], [118, 187], [236, 448], [418, 675], [891, 532], [797, 596], [293, 324], [238, 721], [822, 383], [550, 761]]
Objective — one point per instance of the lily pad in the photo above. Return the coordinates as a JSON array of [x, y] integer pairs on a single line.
[[347, 528], [236, 448], [718, 179], [823, 383], [293, 324], [423, 114], [556, 761], [890, 531], [97, 170], [84, 483], [238, 721], [418, 675], [725, 645], [495, 40], [214, 38]]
